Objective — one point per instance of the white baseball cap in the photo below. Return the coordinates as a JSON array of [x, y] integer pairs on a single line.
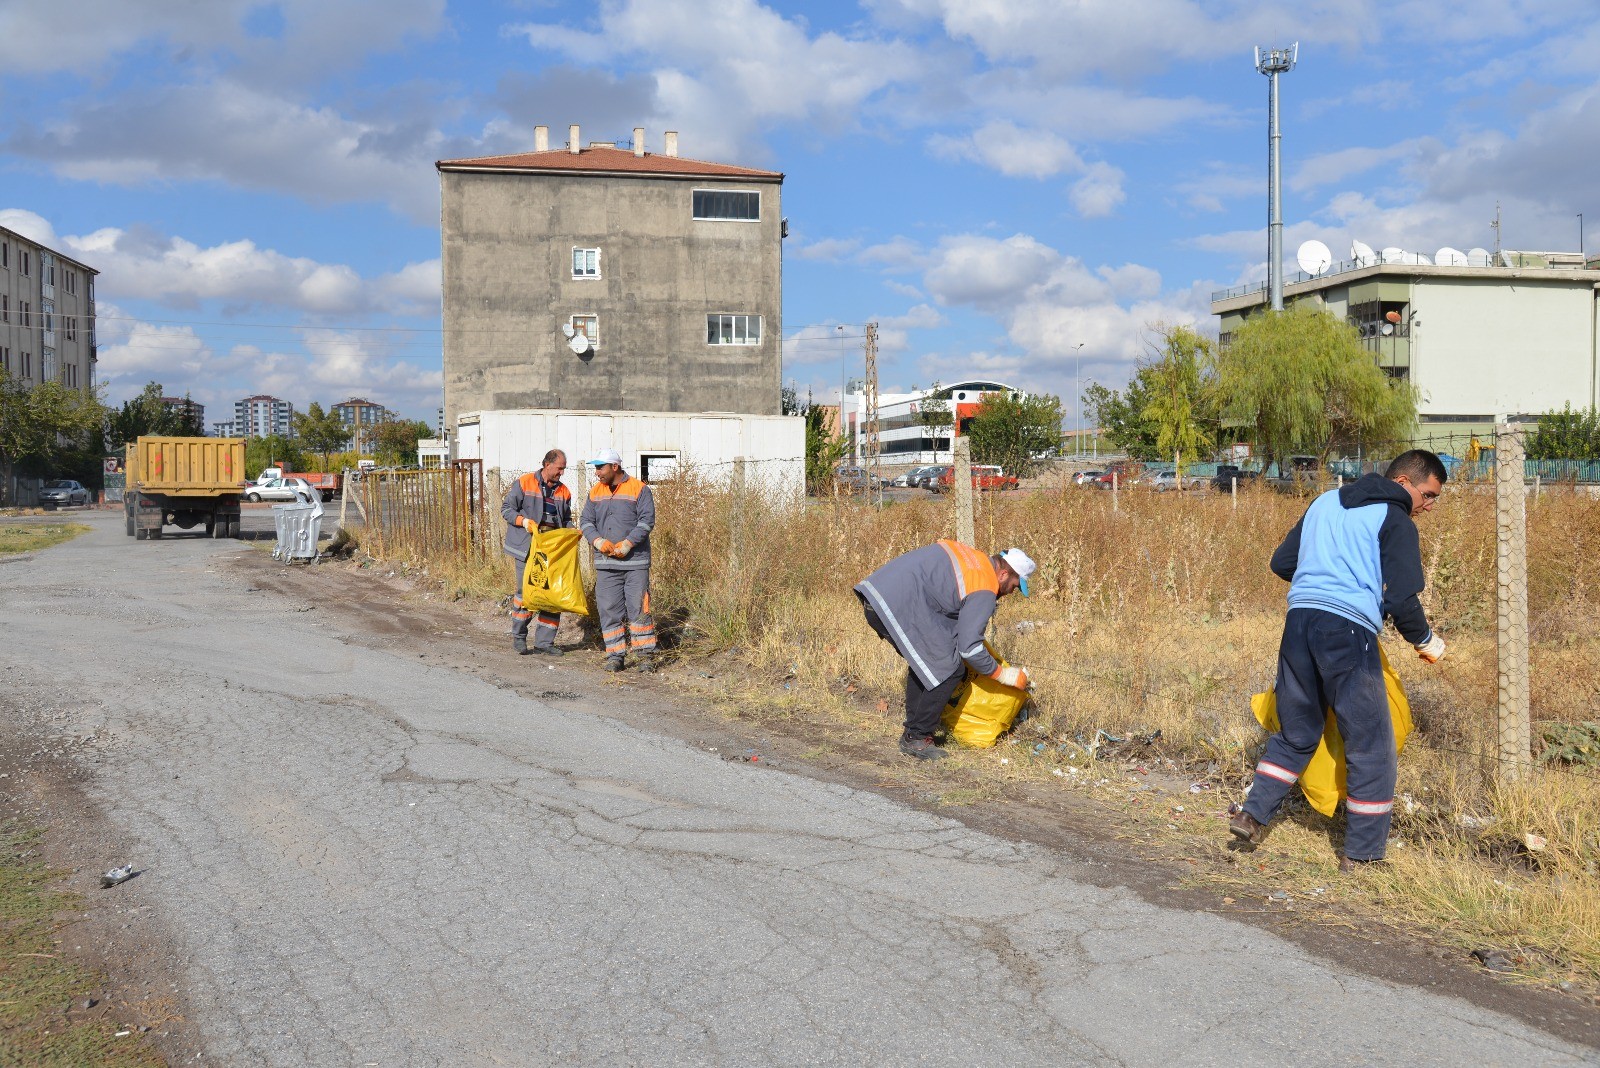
[[606, 456], [1022, 564]]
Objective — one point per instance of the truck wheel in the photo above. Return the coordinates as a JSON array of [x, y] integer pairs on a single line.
[[155, 534], [141, 534], [233, 526]]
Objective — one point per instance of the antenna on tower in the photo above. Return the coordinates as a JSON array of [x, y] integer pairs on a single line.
[[1273, 62], [872, 445], [1496, 227]]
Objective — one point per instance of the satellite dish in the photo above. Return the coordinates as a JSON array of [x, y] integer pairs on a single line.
[[1415, 259], [566, 328], [1393, 317], [1362, 254], [1314, 257], [1392, 254], [579, 343], [1450, 257], [1387, 329], [1477, 257]]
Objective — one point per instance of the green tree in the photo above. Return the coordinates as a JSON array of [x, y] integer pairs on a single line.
[[1015, 432], [825, 445], [934, 412], [45, 429], [1179, 395], [145, 415], [323, 433], [1567, 435], [1301, 382], [1121, 416], [394, 441], [274, 450]]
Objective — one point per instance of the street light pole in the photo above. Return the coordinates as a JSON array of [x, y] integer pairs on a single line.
[[1077, 401]]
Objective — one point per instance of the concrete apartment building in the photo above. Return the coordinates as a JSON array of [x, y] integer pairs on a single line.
[[261, 416], [191, 410], [610, 279], [1509, 335], [361, 415], [46, 315]]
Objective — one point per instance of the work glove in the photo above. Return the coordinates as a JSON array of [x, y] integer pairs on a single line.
[[601, 545], [1431, 650], [519, 521], [621, 549], [1014, 677]]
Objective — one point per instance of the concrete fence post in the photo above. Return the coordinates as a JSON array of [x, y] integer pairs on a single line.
[[961, 453], [585, 550], [1115, 507], [1235, 491], [1511, 543], [735, 517]]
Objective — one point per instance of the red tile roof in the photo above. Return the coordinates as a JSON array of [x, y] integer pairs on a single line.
[[608, 161]]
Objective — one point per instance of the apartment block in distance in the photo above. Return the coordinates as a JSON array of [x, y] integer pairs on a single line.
[[189, 409], [261, 416], [46, 315], [361, 415], [605, 278]]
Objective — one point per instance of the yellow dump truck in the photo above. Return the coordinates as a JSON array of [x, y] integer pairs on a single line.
[[184, 482]]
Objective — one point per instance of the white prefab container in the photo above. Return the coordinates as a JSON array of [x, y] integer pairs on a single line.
[[653, 445]]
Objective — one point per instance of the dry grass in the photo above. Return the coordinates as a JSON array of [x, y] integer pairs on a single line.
[[1162, 616]]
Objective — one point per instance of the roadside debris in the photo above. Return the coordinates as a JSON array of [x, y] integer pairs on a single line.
[[1494, 960], [115, 876]]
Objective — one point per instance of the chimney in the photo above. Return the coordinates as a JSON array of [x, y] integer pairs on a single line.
[[638, 140], [572, 139], [541, 138], [669, 143]]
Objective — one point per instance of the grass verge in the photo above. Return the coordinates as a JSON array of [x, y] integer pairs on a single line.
[[44, 1020], [19, 538]]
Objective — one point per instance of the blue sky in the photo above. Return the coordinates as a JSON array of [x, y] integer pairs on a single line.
[[995, 182]]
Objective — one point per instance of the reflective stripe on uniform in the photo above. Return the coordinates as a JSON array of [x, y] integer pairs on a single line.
[[1276, 771], [1369, 808], [902, 643], [974, 571]]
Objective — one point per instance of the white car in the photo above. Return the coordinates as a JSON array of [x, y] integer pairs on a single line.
[[283, 489], [1161, 481]]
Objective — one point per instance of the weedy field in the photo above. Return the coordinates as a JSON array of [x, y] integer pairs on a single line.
[[1148, 628]]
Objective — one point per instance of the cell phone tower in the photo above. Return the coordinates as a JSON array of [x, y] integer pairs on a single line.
[[1273, 62]]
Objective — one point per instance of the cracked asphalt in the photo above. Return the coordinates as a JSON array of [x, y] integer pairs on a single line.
[[358, 857]]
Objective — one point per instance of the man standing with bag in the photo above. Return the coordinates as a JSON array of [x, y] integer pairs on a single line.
[[617, 520], [933, 604], [536, 502], [1353, 559]]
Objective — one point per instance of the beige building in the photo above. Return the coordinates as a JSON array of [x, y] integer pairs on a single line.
[[610, 278], [46, 315], [1511, 335], [361, 416]]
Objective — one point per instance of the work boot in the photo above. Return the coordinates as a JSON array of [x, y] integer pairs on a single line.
[[646, 664], [614, 662], [1350, 867], [921, 747], [548, 650], [519, 645], [1246, 828]]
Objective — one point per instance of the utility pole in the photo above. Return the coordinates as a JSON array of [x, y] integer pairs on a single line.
[[1273, 62], [872, 411], [1495, 226]]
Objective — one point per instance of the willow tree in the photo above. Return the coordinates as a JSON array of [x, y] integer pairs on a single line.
[[1302, 381], [1177, 384]]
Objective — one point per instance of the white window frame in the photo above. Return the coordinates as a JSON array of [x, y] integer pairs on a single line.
[[728, 324], [582, 274], [643, 466], [721, 218], [592, 333]]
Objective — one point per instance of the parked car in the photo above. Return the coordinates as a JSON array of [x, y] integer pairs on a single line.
[[1127, 474], [852, 479], [1084, 478], [1226, 473], [283, 489], [1167, 479], [984, 477], [916, 477], [61, 492], [1297, 474]]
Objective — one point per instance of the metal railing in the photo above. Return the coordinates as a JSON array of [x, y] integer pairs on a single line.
[[425, 513]]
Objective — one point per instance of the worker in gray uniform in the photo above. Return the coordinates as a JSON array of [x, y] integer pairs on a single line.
[[535, 502], [933, 604], [617, 520]]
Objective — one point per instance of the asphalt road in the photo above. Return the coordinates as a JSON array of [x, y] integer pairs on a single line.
[[362, 857]]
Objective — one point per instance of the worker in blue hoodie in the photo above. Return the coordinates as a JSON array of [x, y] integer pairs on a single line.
[[1352, 560]]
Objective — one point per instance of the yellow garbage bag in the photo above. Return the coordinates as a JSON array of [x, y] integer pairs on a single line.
[[981, 709], [1323, 781], [552, 582]]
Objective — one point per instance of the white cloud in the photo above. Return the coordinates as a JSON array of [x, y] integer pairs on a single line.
[[1013, 151], [831, 249], [1331, 168], [1098, 192]]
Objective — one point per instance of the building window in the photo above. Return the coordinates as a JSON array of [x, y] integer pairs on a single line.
[[5, 307], [586, 263], [733, 330], [27, 365], [72, 281], [26, 311], [589, 327], [657, 466], [5, 254], [26, 265], [5, 360], [727, 204], [69, 324]]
